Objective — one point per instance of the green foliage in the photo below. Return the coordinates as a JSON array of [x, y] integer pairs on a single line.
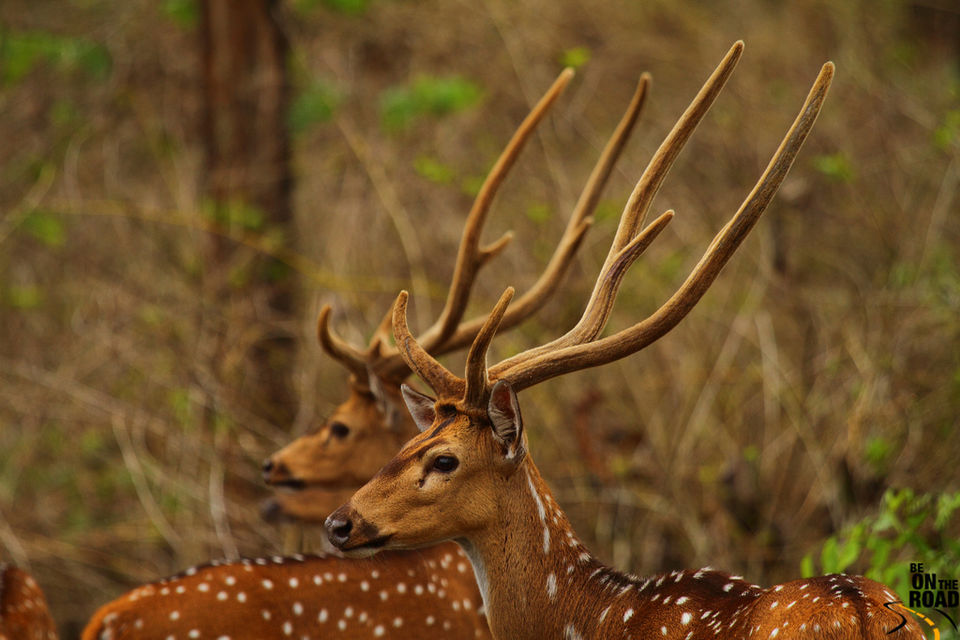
[[575, 57], [538, 212], [184, 13], [21, 52], [836, 166], [24, 296], [349, 7], [471, 185], [433, 169], [182, 407], [235, 214], [46, 227], [948, 133], [427, 95], [908, 528], [63, 113], [314, 105], [878, 453]]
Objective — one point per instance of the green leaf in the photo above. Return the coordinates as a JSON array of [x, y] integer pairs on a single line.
[[948, 133], [471, 185], [829, 555], [807, 569], [353, 7], [234, 214], [426, 96], [349, 7], [575, 57], [538, 212], [314, 105], [24, 296], [21, 52], [848, 553], [878, 452], [45, 227], [94, 59], [433, 170], [947, 505], [836, 166], [184, 13]]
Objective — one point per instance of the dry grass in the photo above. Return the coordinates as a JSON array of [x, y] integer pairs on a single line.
[[822, 367]]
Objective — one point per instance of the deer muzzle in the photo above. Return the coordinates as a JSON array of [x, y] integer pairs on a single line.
[[349, 532]]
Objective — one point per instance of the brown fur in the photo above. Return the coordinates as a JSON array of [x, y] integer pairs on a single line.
[[24, 614], [317, 596]]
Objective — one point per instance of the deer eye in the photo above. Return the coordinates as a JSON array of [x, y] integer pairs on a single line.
[[445, 464], [339, 430]]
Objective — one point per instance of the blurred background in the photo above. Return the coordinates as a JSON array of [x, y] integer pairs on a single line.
[[182, 186]]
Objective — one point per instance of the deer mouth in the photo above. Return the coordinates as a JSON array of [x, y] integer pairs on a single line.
[[290, 484], [371, 545]]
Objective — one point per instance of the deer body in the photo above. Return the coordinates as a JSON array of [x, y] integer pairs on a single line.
[[543, 583], [24, 614], [297, 597]]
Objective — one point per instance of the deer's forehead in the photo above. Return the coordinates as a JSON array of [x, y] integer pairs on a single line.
[[444, 431]]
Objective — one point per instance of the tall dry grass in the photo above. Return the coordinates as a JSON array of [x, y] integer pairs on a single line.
[[822, 367]]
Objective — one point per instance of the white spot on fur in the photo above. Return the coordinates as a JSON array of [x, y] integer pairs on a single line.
[[552, 586]]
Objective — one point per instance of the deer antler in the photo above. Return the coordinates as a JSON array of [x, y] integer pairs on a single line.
[[525, 371], [448, 332], [579, 348]]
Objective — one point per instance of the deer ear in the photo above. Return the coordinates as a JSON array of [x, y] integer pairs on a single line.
[[387, 407], [504, 413], [420, 407]]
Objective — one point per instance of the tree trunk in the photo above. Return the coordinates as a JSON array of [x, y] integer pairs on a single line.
[[248, 182]]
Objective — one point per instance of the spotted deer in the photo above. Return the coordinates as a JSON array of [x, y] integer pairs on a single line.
[[24, 614], [469, 476], [407, 594]]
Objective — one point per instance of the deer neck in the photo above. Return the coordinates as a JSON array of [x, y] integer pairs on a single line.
[[532, 571]]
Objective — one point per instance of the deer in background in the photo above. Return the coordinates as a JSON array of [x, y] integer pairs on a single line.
[[469, 477], [24, 614], [401, 594]]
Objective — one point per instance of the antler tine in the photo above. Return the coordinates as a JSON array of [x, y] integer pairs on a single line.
[[470, 256], [649, 183], [598, 310], [338, 349], [476, 370], [529, 371], [379, 339], [419, 359], [578, 225]]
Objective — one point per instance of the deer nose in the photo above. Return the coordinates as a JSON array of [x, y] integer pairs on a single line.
[[274, 471], [338, 526]]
